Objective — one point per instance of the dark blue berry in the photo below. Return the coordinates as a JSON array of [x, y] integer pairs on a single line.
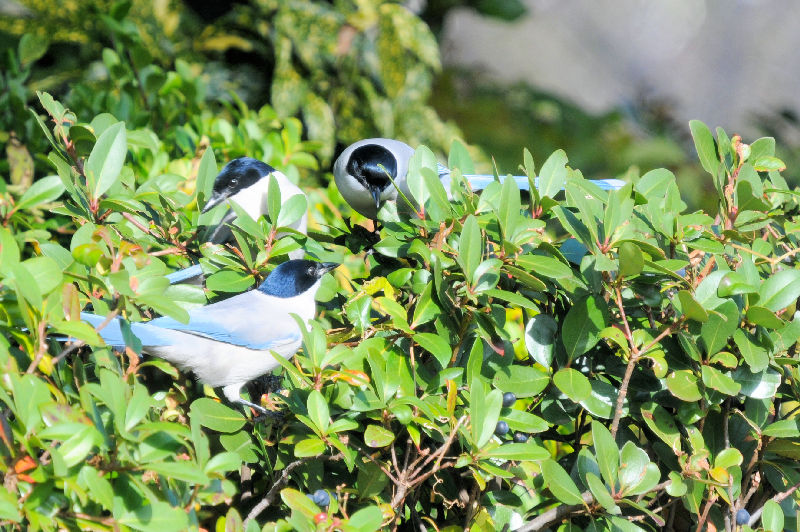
[[520, 437], [742, 517], [509, 399], [321, 498], [501, 429]]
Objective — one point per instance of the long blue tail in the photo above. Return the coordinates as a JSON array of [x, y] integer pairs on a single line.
[[192, 274], [481, 181]]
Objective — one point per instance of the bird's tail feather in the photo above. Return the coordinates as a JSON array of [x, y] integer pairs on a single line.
[[190, 274], [481, 181]]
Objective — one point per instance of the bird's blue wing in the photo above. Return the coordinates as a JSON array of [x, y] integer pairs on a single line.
[[187, 274], [210, 325]]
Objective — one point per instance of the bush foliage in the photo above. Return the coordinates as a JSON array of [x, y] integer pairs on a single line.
[[650, 350]]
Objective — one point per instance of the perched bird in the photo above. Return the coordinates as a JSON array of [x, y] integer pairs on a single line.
[[244, 181], [363, 171], [236, 340]]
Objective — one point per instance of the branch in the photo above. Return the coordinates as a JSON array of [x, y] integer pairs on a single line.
[[556, 514], [266, 502], [777, 498]]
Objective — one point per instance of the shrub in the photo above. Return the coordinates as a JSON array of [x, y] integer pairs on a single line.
[[651, 351]]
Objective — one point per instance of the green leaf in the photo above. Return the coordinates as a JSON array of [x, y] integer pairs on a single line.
[[519, 451], [366, 519], [156, 516], [229, 281], [206, 173], [524, 381], [508, 214], [582, 325], [601, 493], [545, 266], [484, 411], [717, 331], [785, 428], [690, 307], [377, 436], [459, 157], [713, 378], [780, 290], [560, 484], [186, 471], [772, 516], [769, 164], [683, 385], [573, 383], [705, 146], [105, 162], [553, 174], [763, 316], [631, 260], [470, 248], [45, 272], [436, 345], [660, 421], [216, 416], [370, 481], [633, 466], [31, 47], [762, 385], [426, 308], [309, 447], [42, 191], [606, 451], [756, 356], [540, 337], [318, 411]]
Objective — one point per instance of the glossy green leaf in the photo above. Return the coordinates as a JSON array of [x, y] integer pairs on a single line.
[[216, 416], [540, 335], [470, 248], [691, 307], [772, 517], [560, 484], [318, 411], [705, 146], [377, 436], [780, 290], [631, 260], [582, 325], [42, 191], [573, 383], [105, 162], [553, 174], [606, 451]]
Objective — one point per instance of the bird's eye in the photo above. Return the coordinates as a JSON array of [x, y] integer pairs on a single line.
[[234, 181], [312, 272]]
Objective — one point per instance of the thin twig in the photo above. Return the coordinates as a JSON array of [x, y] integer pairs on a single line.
[[556, 514], [266, 502], [755, 516]]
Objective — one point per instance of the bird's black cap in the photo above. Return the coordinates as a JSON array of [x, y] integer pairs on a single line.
[[372, 165], [236, 176], [294, 277]]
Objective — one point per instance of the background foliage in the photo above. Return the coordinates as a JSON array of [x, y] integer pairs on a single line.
[[650, 347]]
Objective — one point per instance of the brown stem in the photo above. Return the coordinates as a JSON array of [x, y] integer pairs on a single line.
[[555, 514], [266, 502]]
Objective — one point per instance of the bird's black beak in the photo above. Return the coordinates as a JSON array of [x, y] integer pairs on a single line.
[[215, 199], [376, 195], [325, 267]]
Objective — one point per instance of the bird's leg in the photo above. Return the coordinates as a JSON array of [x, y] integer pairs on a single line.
[[233, 393]]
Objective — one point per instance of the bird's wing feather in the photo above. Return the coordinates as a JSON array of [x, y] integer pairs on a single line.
[[231, 321]]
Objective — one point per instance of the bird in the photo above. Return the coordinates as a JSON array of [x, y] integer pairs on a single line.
[[370, 172], [245, 181], [228, 343]]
